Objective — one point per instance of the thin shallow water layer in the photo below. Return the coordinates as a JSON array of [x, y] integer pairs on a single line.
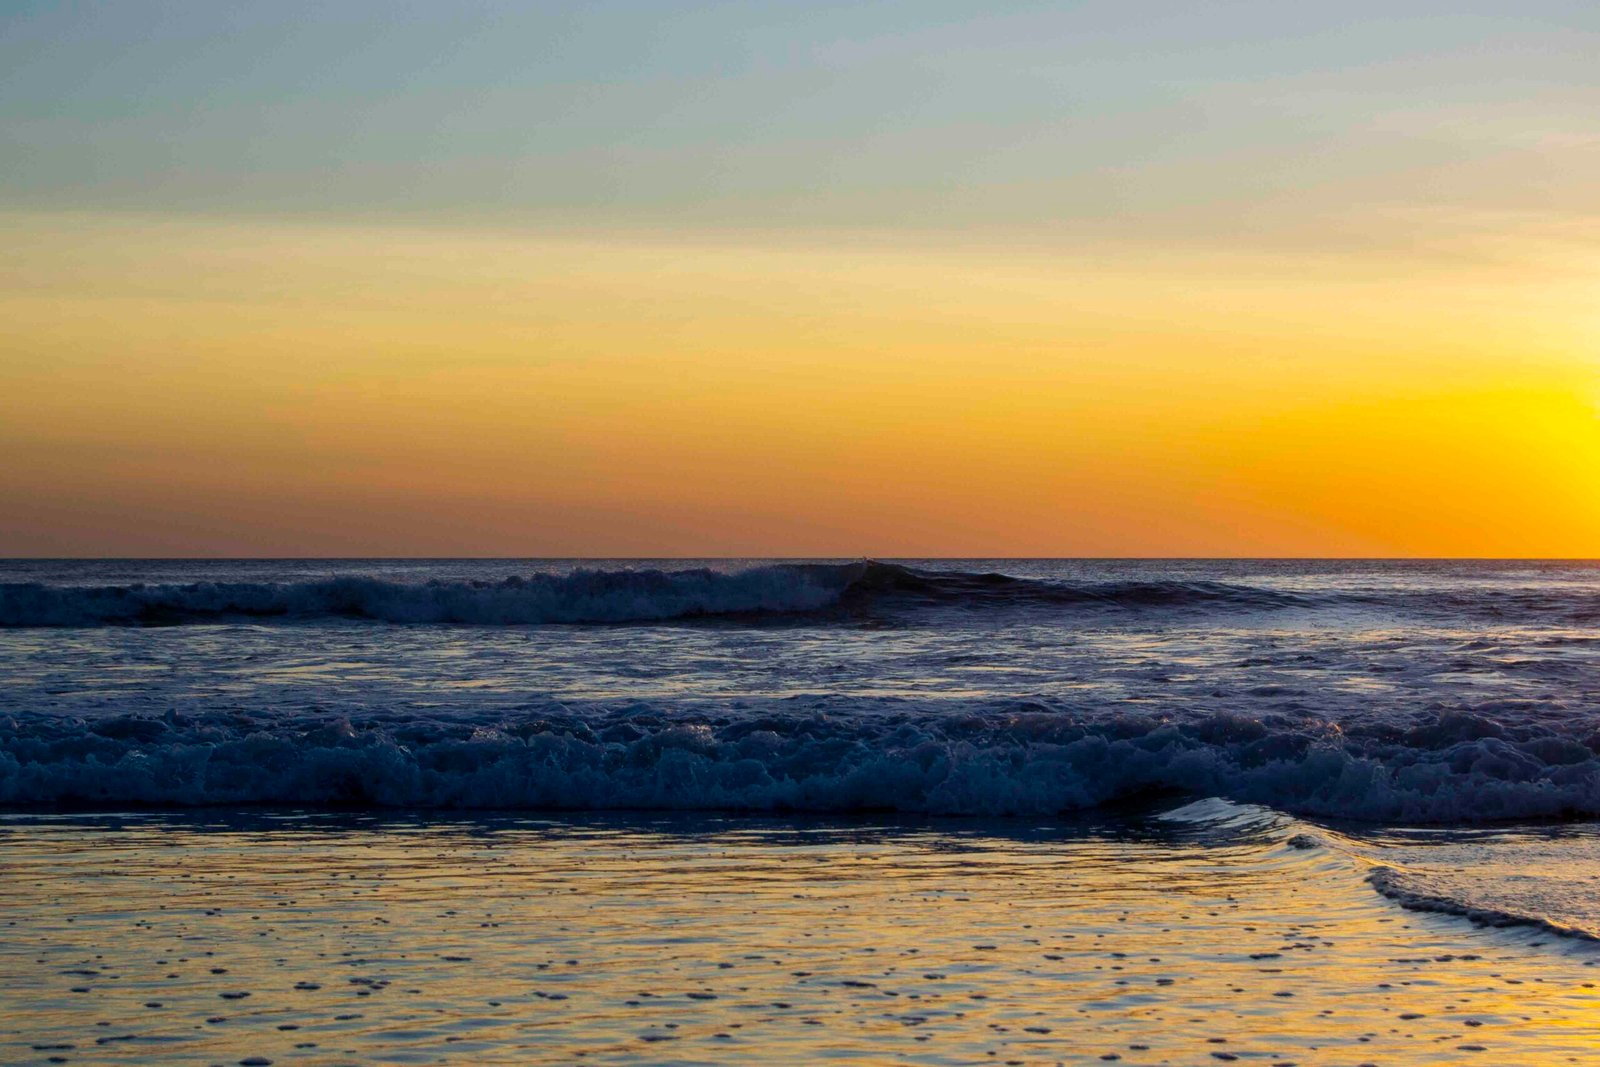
[[1209, 933], [1542, 875]]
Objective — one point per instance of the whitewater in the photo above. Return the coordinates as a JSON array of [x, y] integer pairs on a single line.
[[1445, 696]]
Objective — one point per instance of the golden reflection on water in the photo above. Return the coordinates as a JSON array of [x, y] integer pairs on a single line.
[[695, 940]]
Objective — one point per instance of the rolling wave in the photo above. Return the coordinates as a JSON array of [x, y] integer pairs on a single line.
[[594, 596]]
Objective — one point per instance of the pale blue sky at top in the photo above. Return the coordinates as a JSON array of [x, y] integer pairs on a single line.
[[1190, 119]]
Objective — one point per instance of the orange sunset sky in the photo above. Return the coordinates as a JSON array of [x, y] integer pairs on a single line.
[[643, 280]]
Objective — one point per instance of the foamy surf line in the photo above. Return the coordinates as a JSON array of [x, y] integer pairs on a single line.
[[978, 762]]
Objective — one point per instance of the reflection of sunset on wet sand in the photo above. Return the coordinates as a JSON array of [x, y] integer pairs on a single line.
[[1149, 939]]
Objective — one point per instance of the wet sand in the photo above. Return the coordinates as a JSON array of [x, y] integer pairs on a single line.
[[1139, 939]]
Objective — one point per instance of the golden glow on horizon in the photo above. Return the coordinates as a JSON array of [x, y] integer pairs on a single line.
[[238, 388]]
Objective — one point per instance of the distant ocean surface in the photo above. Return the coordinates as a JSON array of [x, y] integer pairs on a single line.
[[1400, 707]]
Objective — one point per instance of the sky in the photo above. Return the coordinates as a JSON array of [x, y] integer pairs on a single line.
[[783, 279]]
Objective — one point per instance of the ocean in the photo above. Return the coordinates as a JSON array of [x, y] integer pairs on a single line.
[[940, 811]]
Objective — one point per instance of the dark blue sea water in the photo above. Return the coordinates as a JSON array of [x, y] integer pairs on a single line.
[[1442, 695]]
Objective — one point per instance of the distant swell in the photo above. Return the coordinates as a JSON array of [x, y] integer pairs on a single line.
[[989, 589], [584, 596], [591, 596]]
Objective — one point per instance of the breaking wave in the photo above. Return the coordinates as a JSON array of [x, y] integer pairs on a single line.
[[822, 755]]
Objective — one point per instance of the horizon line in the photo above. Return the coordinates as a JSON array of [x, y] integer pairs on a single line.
[[788, 558]]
